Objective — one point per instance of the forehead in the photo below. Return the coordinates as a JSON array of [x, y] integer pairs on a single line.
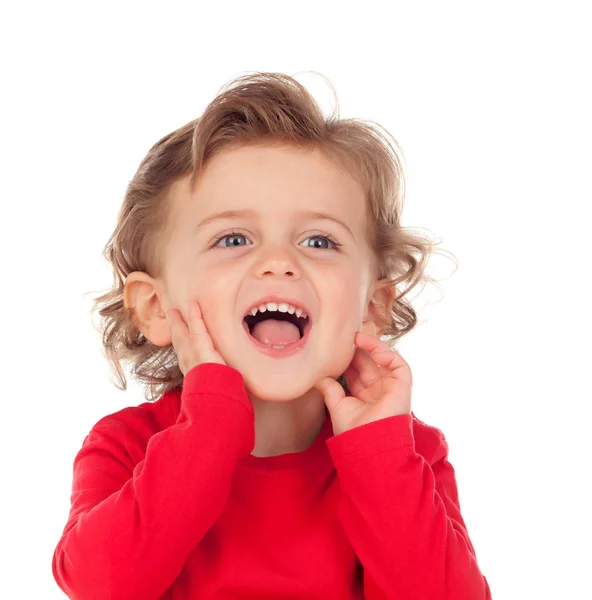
[[274, 180]]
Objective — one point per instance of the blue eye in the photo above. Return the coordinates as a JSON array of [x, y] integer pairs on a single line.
[[235, 234], [229, 235], [322, 237]]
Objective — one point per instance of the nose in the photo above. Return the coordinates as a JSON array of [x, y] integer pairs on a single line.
[[277, 261]]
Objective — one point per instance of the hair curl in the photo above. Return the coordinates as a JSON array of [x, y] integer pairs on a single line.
[[261, 107]]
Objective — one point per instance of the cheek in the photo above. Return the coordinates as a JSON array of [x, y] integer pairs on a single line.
[[346, 293], [211, 298], [218, 299], [343, 310], [214, 311]]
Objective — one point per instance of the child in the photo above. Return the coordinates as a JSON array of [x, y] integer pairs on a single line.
[[277, 455]]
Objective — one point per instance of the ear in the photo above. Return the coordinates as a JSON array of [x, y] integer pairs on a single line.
[[145, 294], [379, 306]]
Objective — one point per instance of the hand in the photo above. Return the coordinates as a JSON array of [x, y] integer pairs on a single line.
[[192, 343], [380, 381]]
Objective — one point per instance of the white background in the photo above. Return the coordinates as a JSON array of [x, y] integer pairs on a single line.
[[491, 104]]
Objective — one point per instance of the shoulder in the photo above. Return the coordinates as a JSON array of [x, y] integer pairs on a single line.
[[430, 442], [137, 424]]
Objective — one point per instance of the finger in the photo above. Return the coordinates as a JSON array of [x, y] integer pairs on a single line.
[[197, 327], [352, 376], [363, 370], [373, 347], [332, 393], [366, 367], [375, 354], [172, 320], [395, 363], [387, 359], [369, 342], [177, 320]]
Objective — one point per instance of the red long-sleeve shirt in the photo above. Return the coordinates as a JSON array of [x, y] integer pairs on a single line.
[[167, 502]]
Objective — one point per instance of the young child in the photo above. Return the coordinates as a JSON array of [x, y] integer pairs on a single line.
[[277, 455]]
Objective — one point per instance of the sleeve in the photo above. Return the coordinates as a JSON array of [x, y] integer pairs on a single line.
[[402, 515], [131, 528]]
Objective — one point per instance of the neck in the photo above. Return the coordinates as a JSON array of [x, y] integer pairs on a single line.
[[287, 427]]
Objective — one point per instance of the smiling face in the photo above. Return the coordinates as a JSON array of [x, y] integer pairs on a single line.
[[275, 246]]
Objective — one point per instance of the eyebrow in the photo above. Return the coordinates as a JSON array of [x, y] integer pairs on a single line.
[[233, 214]]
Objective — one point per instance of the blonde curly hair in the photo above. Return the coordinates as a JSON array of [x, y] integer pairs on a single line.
[[253, 108]]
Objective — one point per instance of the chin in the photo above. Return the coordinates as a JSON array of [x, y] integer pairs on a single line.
[[276, 388]]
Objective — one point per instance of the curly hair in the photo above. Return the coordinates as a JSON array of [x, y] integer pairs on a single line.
[[260, 107]]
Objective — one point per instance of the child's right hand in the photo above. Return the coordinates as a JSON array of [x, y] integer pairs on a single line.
[[192, 343]]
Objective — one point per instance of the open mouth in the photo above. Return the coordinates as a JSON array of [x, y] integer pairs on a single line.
[[273, 339], [303, 324]]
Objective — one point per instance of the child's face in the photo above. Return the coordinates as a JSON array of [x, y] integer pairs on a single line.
[[275, 256]]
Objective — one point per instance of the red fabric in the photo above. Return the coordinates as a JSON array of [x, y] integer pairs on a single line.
[[168, 502]]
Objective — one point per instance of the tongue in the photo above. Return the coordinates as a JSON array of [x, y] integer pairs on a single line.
[[275, 333]]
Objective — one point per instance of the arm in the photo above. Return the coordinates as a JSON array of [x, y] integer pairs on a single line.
[[132, 526], [402, 515]]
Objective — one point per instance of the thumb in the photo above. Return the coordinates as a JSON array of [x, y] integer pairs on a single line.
[[331, 390]]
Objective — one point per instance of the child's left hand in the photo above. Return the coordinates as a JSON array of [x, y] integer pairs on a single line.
[[380, 381]]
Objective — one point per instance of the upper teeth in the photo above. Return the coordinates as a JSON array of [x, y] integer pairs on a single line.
[[282, 307]]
